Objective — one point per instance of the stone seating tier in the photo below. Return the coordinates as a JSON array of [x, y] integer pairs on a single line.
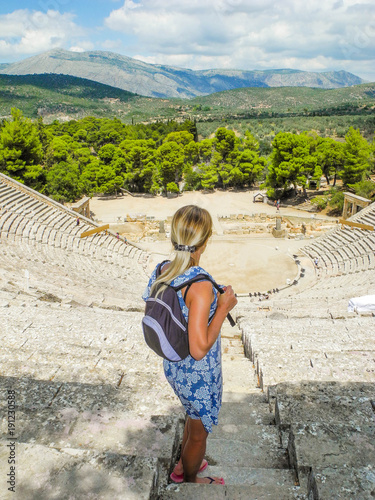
[[96, 418]]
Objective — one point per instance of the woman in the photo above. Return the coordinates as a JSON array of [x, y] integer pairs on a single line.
[[196, 380]]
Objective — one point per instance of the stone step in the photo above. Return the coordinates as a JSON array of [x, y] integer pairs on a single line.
[[343, 372], [256, 412], [238, 374], [102, 431], [249, 397], [321, 388], [337, 482], [49, 472], [323, 409], [246, 446], [327, 445], [242, 483]]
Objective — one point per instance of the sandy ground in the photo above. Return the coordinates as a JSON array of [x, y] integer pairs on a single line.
[[218, 203], [249, 262]]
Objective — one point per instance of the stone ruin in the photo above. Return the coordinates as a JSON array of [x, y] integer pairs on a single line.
[[94, 415]]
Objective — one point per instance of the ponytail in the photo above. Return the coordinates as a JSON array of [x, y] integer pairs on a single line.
[[190, 229]]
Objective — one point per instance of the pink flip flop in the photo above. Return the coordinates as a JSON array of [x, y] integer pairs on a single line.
[[212, 480], [179, 478]]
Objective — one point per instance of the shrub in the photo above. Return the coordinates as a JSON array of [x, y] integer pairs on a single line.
[[320, 202], [172, 187]]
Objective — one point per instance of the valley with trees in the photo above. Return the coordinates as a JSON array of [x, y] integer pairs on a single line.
[[281, 139]]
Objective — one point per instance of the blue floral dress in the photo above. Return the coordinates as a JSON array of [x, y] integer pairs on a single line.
[[198, 384]]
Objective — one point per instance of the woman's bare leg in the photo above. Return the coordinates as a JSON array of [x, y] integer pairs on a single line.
[[178, 469], [193, 452]]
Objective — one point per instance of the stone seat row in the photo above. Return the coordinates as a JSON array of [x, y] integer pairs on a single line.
[[75, 276], [341, 260], [279, 353], [346, 249], [101, 247], [24, 217]]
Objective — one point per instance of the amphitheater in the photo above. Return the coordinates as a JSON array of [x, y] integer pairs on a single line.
[[95, 418]]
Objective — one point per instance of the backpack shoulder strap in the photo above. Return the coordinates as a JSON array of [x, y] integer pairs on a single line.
[[198, 277], [203, 277], [159, 266]]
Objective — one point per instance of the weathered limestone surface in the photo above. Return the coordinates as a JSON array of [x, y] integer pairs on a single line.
[[46, 472], [95, 417], [324, 409], [324, 445], [342, 483], [264, 485]]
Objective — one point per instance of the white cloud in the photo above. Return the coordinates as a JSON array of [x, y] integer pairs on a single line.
[[249, 34], [26, 32], [82, 47]]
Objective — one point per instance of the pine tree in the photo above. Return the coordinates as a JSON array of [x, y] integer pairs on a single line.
[[20, 147], [356, 157]]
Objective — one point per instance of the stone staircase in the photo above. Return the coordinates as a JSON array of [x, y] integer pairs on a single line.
[[246, 447], [95, 417]]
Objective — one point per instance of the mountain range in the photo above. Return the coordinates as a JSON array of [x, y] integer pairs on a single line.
[[166, 81]]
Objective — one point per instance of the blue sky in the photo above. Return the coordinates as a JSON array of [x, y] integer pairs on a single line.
[[309, 35]]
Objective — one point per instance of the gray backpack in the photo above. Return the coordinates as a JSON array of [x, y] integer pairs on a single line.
[[164, 326]]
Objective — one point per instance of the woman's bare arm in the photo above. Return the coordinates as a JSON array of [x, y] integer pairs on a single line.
[[201, 335]]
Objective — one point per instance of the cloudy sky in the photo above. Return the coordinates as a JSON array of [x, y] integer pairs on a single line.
[[200, 34]]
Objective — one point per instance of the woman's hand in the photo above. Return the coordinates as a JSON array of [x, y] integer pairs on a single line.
[[227, 300]]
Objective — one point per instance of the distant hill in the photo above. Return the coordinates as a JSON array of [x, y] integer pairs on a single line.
[[167, 81], [59, 96], [66, 97]]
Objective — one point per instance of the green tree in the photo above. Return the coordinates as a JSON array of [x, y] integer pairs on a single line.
[[192, 177], [356, 157], [191, 153], [364, 188], [140, 164], [291, 161], [181, 137], [87, 180], [171, 160], [209, 177], [107, 180], [337, 200], [205, 149], [108, 152], [330, 155], [251, 165], [250, 142], [225, 142], [20, 147], [63, 182], [58, 150]]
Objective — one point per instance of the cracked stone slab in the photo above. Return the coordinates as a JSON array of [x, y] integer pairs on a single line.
[[340, 482], [318, 388], [45, 473], [323, 408], [246, 446], [255, 413], [29, 393], [98, 430], [186, 491], [322, 445]]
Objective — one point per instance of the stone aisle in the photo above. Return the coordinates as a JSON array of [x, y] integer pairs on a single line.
[[245, 448]]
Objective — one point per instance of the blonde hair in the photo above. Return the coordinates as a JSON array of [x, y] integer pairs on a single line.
[[191, 226]]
